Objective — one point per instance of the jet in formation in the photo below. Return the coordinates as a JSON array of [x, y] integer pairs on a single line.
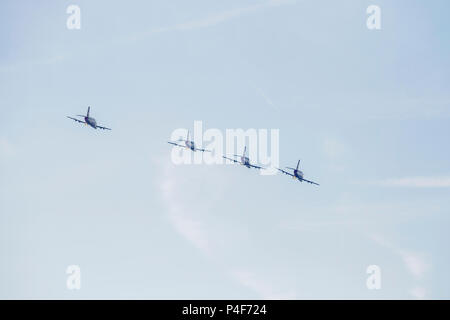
[[188, 144], [297, 174], [244, 160], [88, 120]]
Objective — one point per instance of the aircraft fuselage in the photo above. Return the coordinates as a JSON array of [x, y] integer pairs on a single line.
[[298, 174], [190, 145], [245, 161], [91, 121]]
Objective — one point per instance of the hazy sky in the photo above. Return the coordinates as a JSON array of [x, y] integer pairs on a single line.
[[367, 111]]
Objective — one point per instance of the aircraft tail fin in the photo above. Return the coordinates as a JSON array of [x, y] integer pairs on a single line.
[[245, 149], [298, 163], [89, 109]]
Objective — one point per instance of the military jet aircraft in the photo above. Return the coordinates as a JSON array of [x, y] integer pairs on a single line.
[[188, 144], [245, 161], [88, 120], [297, 174]]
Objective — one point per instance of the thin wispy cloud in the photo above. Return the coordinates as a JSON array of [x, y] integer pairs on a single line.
[[411, 108], [215, 19], [418, 293], [359, 216], [414, 262], [417, 182], [219, 18], [264, 96], [188, 220], [179, 214], [262, 287]]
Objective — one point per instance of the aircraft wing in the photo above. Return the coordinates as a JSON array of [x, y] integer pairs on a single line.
[[202, 150], [312, 182], [176, 144], [104, 128], [256, 167], [285, 172], [76, 119], [230, 159]]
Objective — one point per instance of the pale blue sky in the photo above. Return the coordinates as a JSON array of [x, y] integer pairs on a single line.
[[366, 111]]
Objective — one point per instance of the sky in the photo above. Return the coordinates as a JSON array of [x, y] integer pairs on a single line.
[[367, 112]]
